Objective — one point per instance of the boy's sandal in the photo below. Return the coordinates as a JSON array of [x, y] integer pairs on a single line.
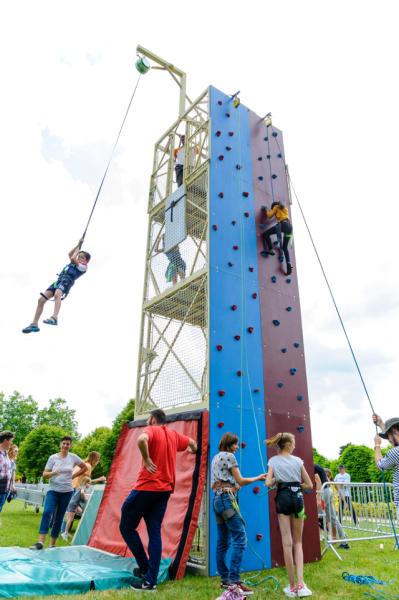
[[50, 321], [31, 328]]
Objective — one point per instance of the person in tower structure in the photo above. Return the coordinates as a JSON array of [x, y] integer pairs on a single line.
[[282, 229], [60, 288]]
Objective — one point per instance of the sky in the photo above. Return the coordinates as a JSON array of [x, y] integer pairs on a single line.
[[328, 73]]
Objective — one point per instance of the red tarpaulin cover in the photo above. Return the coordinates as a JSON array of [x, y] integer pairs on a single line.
[[181, 516]]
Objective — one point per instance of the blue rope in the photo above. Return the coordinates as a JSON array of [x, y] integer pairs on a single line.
[[370, 581], [255, 582]]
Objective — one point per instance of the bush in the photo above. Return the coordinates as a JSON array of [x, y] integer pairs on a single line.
[[357, 460]]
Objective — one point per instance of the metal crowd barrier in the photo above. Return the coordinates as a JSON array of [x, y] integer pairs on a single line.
[[355, 512], [32, 493]]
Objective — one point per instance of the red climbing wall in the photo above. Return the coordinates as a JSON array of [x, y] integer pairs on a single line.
[[285, 385]]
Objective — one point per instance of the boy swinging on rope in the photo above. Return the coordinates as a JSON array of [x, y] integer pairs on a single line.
[[61, 287]]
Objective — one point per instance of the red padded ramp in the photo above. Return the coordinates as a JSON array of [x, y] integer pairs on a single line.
[[181, 517]]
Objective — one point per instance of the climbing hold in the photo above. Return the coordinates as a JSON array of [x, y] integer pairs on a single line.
[[214, 227], [266, 139], [274, 176], [243, 444], [279, 155], [301, 428], [274, 134], [238, 167], [220, 102], [256, 390], [237, 337], [221, 195], [218, 133], [260, 178], [256, 489], [268, 156], [245, 194], [280, 384], [221, 157], [228, 148], [228, 115], [250, 329], [235, 247], [233, 222], [281, 257], [288, 280], [239, 373], [259, 536], [254, 295], [299, 397], [283, 350], [260, 158], [276, 322], [236, 102], [230, 264], [293, 371], [231, 133], [219, 347], [221, 392], [296, 344], [251, 269], [246, 214], [289, 308], [221, 424], [234, 307], [273, 279]]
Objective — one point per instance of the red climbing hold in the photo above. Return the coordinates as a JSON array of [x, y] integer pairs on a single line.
[[221, 424], [256, 489], [246, 214], [231, 133], [221, 157], [245, 194], [221, 392], [243, 444], [239, 373], [251, 269], [259, 536], [218, 133], [254, 295], [214, 227], [237, 337], [256, 390], [235, 247], [250, 329], [219, 347], [221, 195], [234, 307]]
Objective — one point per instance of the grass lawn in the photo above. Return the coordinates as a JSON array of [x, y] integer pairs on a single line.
[[19, 528]]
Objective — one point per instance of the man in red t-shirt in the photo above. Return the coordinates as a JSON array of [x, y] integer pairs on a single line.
[[149, 498]]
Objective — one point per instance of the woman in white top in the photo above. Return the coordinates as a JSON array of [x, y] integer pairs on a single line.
[[291, 477]]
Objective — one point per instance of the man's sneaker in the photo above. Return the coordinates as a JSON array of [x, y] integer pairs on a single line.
[[234, 592], [245, 589], [32, 328], [138, 573], [143, 587], [37, 546], [344, 546], [303, 591], [290, 592]]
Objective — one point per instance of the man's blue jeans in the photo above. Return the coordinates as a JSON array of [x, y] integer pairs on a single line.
[[56, 503], [151, 507], [231, 529], [3, 498]]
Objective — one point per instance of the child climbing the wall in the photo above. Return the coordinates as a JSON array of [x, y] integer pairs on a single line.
[[61, 287], [226, 480], [291, 477], [177, 266], [283, 226]]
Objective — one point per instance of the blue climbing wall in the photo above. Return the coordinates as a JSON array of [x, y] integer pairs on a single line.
[[235, 335], [257, 364]]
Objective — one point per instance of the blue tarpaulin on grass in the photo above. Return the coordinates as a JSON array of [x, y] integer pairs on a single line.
[[72, 570]]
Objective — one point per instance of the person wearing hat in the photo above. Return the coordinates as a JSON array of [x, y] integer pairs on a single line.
[[389, 431]]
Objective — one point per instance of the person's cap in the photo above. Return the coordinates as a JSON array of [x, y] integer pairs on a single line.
[[341, 467], [388, 424]]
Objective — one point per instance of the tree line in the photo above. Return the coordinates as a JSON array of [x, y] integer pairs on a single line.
[[38, 432]]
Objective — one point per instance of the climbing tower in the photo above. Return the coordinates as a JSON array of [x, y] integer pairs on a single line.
[[221, 325]]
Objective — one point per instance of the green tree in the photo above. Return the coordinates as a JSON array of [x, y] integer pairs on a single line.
[[321, 460], [38, 445], [126, 415], [343, 448], [18, 414], [58, 414], [95, 440], [375, 474], [357, 460]]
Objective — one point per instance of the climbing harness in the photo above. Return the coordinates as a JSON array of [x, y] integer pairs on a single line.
[[343, 329]]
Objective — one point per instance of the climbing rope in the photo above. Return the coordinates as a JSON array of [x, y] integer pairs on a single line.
[[109, 162], [290, 183], [370, 581]]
